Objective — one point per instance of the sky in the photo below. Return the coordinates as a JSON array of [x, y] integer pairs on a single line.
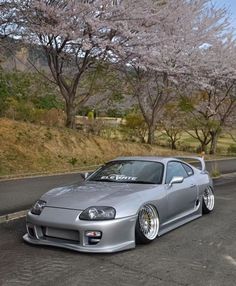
[[231, 6]]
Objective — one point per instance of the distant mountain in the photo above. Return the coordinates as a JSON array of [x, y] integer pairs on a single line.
[[16, 55]]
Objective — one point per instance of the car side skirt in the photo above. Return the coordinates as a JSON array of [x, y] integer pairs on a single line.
[[181, 220]]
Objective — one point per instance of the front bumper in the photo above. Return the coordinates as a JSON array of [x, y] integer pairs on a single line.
[[117, 234]]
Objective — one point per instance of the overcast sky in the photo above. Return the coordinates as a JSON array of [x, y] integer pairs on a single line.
[[231, 6]]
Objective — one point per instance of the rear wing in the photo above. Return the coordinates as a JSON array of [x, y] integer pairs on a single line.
[[192, 160]]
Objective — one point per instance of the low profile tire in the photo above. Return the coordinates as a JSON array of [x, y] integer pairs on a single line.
[[208, 200], [147, 225]]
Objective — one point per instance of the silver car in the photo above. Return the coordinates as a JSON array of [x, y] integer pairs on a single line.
[[127, 201]]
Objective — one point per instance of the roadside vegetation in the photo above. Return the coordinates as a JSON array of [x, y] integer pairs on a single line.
[[29, 148]]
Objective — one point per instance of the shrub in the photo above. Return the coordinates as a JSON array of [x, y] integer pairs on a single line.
[[3, 93], [20, 110], [186, 148], [48, 135], [135, 128], [52, 117], [232, 149], [215, 173], [73, 161], [48, 101]]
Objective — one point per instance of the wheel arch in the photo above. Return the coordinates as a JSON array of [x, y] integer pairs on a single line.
[[149, 203], [147, 223]]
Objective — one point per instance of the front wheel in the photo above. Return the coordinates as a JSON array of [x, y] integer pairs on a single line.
[[147, 225], [208, 200]]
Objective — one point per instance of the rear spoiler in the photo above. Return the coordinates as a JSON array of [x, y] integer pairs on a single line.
[[190, 160]]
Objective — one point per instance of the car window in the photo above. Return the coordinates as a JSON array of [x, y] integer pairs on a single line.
[[175, 169], [130, 172], [188, 169]]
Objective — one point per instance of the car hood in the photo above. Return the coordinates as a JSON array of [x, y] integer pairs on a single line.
[[80, 197]]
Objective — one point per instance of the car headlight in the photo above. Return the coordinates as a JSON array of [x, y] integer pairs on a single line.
[[38, 207], [98, 213]]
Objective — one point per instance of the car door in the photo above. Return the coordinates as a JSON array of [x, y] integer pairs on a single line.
[[181, 197]]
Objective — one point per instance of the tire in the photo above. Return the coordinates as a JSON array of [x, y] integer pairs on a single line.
[[147, 224], [208, 200]]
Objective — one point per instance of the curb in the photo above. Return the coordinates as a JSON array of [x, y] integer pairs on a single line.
[[13, 216], [227, 175]]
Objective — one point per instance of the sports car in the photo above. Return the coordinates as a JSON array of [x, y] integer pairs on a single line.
[[128, 200]]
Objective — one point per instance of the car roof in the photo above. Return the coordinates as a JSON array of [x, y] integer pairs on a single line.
[[164, 160], [146, 158]]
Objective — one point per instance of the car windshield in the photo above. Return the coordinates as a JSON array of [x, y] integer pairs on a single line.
[[136, 172]]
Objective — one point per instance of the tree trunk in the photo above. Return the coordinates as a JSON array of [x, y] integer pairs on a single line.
[[204, 147], [70, 114], [173, 145], [142, 139], [214, 141], [151, 134]]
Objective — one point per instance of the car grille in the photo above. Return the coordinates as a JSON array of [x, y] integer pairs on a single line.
[[62, 235]]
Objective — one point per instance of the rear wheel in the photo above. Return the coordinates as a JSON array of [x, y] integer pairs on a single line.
[[147, 225], [208, 200]]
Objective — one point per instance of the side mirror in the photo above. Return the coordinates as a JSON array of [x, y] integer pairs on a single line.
[[85, 175], [176, 180]]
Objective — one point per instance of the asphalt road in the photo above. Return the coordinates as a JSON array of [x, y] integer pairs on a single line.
[[19, 194], [202, 252]]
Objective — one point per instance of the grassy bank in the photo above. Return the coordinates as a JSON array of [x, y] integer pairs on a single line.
[[28, 148]]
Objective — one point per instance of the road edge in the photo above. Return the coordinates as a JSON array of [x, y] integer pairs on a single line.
[[79, 171]]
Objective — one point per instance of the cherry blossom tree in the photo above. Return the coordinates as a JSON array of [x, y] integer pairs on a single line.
[[75, 34], [197, 123], [172, 123], [175, 42], [213, 107], [152, 91]]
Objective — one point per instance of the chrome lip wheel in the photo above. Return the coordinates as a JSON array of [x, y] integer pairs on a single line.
[[149, 222], [209, 199]]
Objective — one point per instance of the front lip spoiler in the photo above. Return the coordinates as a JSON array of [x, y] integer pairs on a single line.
[[87, 249]]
